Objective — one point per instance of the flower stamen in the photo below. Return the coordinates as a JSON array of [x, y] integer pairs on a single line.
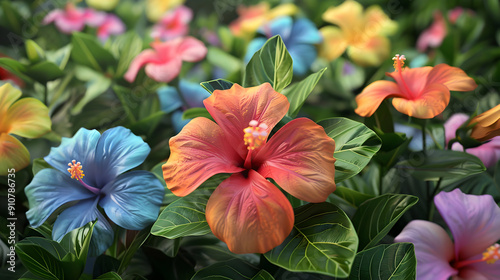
[[492, 254], [75, 169], [255, 134], [399, 62]]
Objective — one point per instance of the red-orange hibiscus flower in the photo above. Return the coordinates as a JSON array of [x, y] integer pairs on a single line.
[[422, 92], [246, 211]]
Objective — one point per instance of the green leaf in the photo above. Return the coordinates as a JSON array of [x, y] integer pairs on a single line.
[[12, 18], [44, 72], [60, 57], [323, 240], [88, 51], [131, 46], [147, 125], [15, 67], [110, 276], [196, 112], [352, 197], [441, 163], [77, 241], [186, 215], [387, 261], [232, 269], [298, 92], [375, 217], [139, 239], [224, 60], [33, 51], [355, 145], [213, 85], [96, 84], [271, 64], [39, 164], [39, 261]]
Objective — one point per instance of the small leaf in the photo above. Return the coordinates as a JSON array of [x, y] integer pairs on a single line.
[[353, 197], [213, 85], [298, 92], [232, 269], [375, 217], [34, 52], [15, 67], [96, 84], [44, 72], [39, 261], [88, 51]]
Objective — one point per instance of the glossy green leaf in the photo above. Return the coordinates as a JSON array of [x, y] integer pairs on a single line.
[[88, 51], [386, 262], [441, 163], [232, 269], [196, 112], [44, 72], [375, 217], [110, 276], [351, 196], [39, 261], [186, 215], [323, 240], [139, 239], [130, 45], [15, 67], [355, 145], [213, 85], [96, 84], [297, 93], [271, 64]]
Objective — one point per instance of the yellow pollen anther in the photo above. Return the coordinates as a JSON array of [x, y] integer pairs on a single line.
[[75, 169], [492, 254], [255, 134], [399, 62]]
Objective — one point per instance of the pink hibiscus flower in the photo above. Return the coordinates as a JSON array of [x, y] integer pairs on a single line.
[[163, 63], [73, 19], [173, 24], [112, 25], [474, 222], [434, 35]]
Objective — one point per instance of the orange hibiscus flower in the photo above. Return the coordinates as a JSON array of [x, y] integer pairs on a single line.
[[487, 124]]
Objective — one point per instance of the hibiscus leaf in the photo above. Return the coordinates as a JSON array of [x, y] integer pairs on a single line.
[[44, 72], [89, 52], [355, 145], [323, 240], [375, 217], [232, 269], [298, 92], [384, 262], [271, 64], [39, 261], [213, 85], [129, 45]]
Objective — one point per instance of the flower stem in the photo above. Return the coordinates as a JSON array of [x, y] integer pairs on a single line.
[[431, 198]]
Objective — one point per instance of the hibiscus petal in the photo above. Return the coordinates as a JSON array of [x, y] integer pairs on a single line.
[[489, 152], [192, 49], [371, 51], [376, 22], [133, 200], [28, 118], [348, 15], [177, 121], [303, 56], [415, 80], [250, 214], [453, 78], [8, 94], [233, 109], [169, 99], [304, 32], [79, 215], [371, 97], [51, 16], [334, 42], [165, 71], [49, 190], [198, 152], [253, 47], [299, 157], [193, 93], [474, 221], [480, 271], [282, 26], [118, 150], [452, 124], [433, 249], [432, 102], [13, 154], [145, 57]]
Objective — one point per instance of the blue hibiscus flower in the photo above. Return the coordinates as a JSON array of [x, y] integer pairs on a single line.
[[299, 38], [89, 171]]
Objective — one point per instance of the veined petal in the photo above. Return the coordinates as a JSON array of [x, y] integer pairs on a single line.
[[453, 78], [233, 109], [192, 49], [198, 152], [433, 249], [28, 118], [432, 102], [348, 15], [299, 157], [13, 154], [334, 42], [250, 215], [474, 221], [371, 97], [49, 190], [414, 80], [145, 57], [164, 71], [371, 51], [133, 199], [118, 150], [79, 215]]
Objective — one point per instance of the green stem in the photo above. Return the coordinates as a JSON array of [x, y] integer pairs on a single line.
[[431, 198], [424, 144], [45, 95]]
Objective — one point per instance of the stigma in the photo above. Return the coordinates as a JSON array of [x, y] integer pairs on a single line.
[[75, 169], [255, 134], [399, 62], [492, 254]]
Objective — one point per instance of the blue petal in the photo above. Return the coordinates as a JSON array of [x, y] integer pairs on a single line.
[[177, 121], [304, 32], [79, 215], [303, 56], [169, 99], [280, 26], [193, 93], [81, 147], [253, 47], [49, 190], [117, 151], [133, 200]]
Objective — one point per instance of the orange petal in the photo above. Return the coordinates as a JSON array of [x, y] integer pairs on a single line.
[[415, 80], [432, 102], [376, 22], [453, 78], [348, 15], [299, 157], [334, 42], [249, 214], [197, 153], [487, 124], [370, 51], [28, 118], [233, 109], [8, 94], [13, 154], [371, 97]]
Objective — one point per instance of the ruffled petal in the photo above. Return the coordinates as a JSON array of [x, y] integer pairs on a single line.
[[372, 51], [193, 93], [303, 56], [164, 71], [376, 22], [233, 109], [304, 32], [250, 214], [413, 81], [474, 221], [13, 154], [169, 99], [334, 42], [49, 190], [118, 150], [299, 157], [432, 102], [198, 152], [133, 199], [145, 57], [453, 78], [192, 49], [434, 35], [28, 118], [348, 15], [371, 97], [79, 215], [433, 249]]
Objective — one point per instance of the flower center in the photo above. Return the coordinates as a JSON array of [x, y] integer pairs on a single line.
[[75, 169], [255, 134], [490, 256], [399, 62]]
